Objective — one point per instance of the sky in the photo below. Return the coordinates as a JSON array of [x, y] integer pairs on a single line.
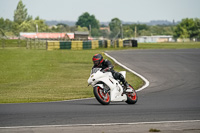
[[105, 10]]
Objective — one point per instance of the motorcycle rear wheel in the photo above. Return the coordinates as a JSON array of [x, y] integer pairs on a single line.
[[103, 98], [132, 97]]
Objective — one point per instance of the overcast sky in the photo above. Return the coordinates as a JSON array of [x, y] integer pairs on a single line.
[[105, 10]]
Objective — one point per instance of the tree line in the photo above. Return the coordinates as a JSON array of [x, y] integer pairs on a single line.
[[187, 28]]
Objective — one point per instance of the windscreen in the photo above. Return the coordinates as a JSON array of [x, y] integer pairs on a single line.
[[94, 70]]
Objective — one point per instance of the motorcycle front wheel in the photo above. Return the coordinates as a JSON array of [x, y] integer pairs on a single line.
[[132, 97], [101, 96]]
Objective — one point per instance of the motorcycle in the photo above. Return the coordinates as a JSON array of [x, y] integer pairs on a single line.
[[106, 89]]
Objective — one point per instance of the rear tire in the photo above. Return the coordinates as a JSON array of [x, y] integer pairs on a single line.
[[103, 98], [132, 97]]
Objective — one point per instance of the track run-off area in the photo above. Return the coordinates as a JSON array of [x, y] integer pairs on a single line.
[[172, 96]]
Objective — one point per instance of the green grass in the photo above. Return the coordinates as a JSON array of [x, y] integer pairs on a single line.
[[154, 130], [41, 76], [186, 45]]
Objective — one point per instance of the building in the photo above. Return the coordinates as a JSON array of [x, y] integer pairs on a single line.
[[50, 36], [42, 35], [154, 39], [81, 35], [105, 28]]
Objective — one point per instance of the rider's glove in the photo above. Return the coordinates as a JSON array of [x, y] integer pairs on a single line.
[[103, 71], [106, 69]]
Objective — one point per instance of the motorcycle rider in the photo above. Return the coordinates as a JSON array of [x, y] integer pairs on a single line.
[[107, 66]]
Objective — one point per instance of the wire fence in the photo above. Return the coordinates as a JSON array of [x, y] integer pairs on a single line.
[[23, 43]]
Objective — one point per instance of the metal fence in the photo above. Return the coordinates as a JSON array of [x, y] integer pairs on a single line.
[[20, 43]]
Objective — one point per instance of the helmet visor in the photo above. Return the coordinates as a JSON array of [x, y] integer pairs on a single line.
[[96, 62]]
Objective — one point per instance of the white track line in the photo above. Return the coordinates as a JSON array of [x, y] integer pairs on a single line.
[[105, 124], [143, 78]]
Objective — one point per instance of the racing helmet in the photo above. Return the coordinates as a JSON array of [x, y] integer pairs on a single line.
[[97, 59]]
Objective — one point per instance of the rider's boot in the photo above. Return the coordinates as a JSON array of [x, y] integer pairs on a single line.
[[126, 87]]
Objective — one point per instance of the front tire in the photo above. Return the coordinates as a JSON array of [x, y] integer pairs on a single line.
[[132, 97], [103, 98]]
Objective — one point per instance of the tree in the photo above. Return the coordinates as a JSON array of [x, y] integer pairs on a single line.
[[2, 24], [139, 27], [22, 22], [30, 26], [61, 27], [115, 25], [104, 33], [7, 27], [85, 20], [95, 32], [37, 18], [196, 32], [168, 30], [72, 28], [156, 30], [20, 13], [144, 33], [29, 18], [115, 33], [42, 27], [188, 28], [15, 28], [6, 24], [79, 28], [127, 31], [26, 26]]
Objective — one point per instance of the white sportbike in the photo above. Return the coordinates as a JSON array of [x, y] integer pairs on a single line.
[[106, 89]]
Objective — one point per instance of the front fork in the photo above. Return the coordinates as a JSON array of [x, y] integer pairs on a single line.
[[106, 89]]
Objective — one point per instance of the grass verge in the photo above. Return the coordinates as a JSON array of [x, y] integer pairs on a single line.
[[185, 45], [154, 130]]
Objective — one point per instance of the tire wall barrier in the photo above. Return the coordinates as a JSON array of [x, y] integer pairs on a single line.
[[95, 44], [118, 43], [108, 44], [87, 45], [65, 45], [53, 45], [79, 45]]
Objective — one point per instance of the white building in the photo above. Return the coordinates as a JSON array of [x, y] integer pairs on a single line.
[[154, 39]]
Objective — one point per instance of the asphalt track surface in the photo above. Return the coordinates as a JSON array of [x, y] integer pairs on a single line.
[[173, 95]]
